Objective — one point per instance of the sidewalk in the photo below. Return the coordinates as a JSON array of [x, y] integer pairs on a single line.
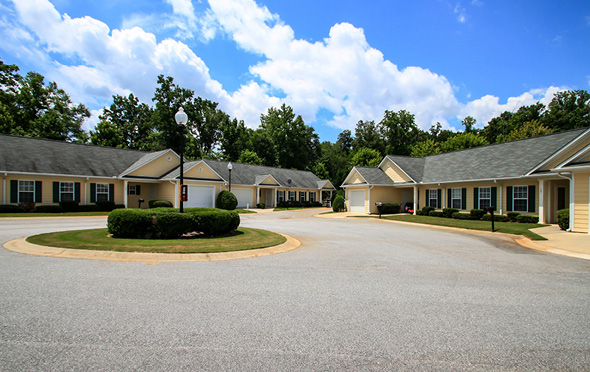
[[558, 241]]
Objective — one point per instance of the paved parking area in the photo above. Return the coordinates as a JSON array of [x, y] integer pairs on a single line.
[[358, 295]]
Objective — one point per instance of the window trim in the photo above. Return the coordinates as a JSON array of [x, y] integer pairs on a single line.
[[280, 196], [302, 194], [312, 196], [73, 192], [97, 192], [294, 197], [526, 198], [460, 198], [430, 198], [480, 198], [19, 191]]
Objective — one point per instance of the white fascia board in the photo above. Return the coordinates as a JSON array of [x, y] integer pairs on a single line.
[[560, 151], [582, 152], [7, 173], [349, 173], [271, 176], [133, 169]]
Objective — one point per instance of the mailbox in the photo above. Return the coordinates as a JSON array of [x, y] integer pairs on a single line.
[[183, 193], [379, 206]]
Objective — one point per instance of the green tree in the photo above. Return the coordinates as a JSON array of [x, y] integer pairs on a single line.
[[249, 157], [529, 129], [568, 110], [463, 141], [263, 146], [367, 134], [469, 124], [126, 123], [336, 161], [437, 134], [345, 141], [321, 171], [425, 148], [400, 132], [234, 138], [366, 157]]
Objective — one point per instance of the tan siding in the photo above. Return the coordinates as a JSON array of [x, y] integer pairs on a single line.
[[384, 195], [581, 190], [394, 172], [566, 155], [158, 167], [167, 191], [270, 181], [201, 171], [527, 182]]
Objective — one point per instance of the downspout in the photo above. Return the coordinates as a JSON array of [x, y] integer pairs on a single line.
[[571, 179]]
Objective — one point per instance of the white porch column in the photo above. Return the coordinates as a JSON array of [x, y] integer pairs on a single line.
[[257, 195], [177, 194], [572, 202], [501, 209], [321, 199], [542, 218], [125, 193], [415, 199]]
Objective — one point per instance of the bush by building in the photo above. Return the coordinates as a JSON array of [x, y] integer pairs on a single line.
[[563, 218], [338, 204], [159, 204], [448, 212], [226, 200]]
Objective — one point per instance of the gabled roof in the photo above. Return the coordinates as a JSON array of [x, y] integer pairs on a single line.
[[148, 157], [260, 178], [374, 176], [325, 184], [38, 155], [413, 167]]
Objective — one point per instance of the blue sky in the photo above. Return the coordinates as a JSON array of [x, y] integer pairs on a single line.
[[334, 62]]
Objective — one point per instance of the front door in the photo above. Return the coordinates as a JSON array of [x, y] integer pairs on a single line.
[[561, 198], [268, 199]]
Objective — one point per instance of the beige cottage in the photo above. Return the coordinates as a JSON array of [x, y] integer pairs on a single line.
[[538, 176]]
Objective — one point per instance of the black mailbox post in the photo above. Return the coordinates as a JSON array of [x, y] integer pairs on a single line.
[[491, 210], [139, 201], [379, 206]]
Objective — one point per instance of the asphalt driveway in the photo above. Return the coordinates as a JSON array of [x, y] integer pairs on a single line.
[[358, 295]]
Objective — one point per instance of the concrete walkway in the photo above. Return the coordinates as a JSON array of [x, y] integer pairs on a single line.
[[558, 241]]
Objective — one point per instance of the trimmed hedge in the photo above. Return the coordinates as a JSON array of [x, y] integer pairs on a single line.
[[462, 216], [159, 204], [226, 200], [512, 216], [105, 205], [435, 213], [477, 214], [419, 212], [523, 218], [426, 210], [563, 218], [448, 212], [168, 223], [11, 208], [48, 209], [88, 208], [338, 204], [390, 208], [261, 205], [497, 218], [69, 205]]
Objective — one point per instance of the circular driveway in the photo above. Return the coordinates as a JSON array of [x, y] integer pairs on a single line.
[[358, 295]]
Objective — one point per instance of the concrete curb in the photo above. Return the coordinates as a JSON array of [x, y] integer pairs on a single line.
[[22, 246]]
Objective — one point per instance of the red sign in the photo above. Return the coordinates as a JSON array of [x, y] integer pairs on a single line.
[[183, 193]]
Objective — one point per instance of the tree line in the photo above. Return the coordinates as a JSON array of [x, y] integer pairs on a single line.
[[31, 107]]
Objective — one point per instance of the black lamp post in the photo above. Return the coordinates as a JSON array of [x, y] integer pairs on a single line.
[[229, 167], [181, 119]]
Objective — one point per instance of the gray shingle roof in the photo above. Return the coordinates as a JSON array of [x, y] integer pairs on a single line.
[[502, 160], [374, 176], [37, 155]]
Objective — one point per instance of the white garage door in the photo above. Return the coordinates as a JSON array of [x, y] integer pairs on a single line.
[[244, 197], [200, 196], [357, 201]]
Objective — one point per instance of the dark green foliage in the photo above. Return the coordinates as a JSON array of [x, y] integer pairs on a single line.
[[338, 204], [448, 212], [11, 208], [168, 223], [512, 216], [69, 205], [390, 208], [524, 218], [426, 210], [260, 205], [27, 206], [477, 214], [48, 209], [497, 218], [563, 218], [105, 205], [88, 208], [419, 212], [435, 214], [159, 204], [226, 200], [462, 216]]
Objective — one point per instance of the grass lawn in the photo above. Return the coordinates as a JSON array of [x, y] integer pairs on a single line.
[[97, 239], [504, 227]]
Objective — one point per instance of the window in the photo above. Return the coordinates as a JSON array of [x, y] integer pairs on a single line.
[[292, 195], [302, 196], [312, 196], [432, 198], [280, 196], [485, 197], [66, 191], [520, 198], [26, 191], [102, 191], [456, 201], [134, 190]]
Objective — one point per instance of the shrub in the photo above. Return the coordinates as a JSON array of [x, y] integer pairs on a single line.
[[105, 205], [48, 209], [338, 204], [119, 206], [11, 208], [390, 208], [435, 213], [88, 208], [172, 224], [130, 223], [260, 205], [512, 216], [426, 210], [462, 216], [524, 218], [563, 218], [215, 222], [69, 205], [497, 218], [226, 200], [159, 204], [419, 212], [316, 204], [27, 206], [477, 214], [448, 212]]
